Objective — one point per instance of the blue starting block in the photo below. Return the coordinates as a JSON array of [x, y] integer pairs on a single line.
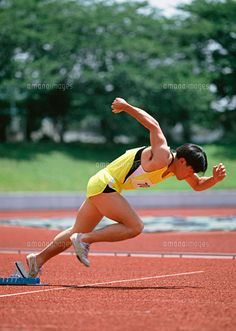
[[19, 281], [19, 277]]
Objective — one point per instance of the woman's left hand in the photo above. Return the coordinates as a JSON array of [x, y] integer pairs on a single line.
[[219, 172]]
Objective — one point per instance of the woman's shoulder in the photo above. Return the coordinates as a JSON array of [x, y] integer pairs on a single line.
[[157, 160]]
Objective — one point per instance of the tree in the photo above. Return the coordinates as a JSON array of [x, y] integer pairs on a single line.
[[208, 34], [68, 60]]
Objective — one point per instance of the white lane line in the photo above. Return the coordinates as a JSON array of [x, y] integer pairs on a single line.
[[143, 278], [30, 292], [209, 255], [102, 283]]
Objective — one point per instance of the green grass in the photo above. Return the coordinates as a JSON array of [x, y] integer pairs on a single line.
[[67, 167]]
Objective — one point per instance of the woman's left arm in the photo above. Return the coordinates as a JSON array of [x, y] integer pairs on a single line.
[[204, 183]]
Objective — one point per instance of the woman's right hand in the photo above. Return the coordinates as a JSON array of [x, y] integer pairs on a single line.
[[119, 105]]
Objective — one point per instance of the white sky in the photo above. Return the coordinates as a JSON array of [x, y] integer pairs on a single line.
[[168, 6]]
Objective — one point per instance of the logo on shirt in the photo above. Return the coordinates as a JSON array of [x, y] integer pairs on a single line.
[[141, 183]]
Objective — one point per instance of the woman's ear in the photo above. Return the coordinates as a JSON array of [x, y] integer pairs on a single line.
[[182, 161]]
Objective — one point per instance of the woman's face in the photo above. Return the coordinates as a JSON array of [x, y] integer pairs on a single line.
[[182, 169]]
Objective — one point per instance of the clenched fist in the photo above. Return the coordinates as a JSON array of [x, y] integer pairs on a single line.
[[119, 105]]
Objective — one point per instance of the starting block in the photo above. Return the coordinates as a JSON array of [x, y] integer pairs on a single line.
[[19, 277], [19, 281]]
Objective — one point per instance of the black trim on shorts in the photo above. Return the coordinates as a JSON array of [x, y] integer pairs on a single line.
[[136, 163], [108, 189]]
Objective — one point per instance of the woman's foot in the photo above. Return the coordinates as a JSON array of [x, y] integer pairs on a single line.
[[34, 269], [81, 248]]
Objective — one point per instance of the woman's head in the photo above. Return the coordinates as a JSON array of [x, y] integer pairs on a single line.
[[190, 159]]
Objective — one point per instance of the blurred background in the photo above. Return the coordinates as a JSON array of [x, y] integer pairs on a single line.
[[62, 62]]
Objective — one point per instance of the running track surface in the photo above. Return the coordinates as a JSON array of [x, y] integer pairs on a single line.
[[224, 211], [123, 293], [19, 238]]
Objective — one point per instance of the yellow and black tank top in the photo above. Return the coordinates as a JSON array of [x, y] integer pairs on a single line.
[[125, 173]]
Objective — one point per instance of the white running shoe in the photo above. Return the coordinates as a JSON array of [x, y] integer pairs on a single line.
[[81, 249], [32, 264]]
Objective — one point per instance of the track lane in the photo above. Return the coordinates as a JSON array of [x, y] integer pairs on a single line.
[[203, 301]]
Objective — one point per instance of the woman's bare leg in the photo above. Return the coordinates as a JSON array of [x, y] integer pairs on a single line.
[[111, 205], [117, 208], [87, 218]]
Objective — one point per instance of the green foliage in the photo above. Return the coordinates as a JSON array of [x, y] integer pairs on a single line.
[[209, 35], [67, 60]]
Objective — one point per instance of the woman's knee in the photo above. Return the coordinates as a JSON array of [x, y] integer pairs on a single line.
[[136, 229]]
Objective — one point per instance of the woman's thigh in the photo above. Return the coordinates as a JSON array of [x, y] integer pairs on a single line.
[[88, 217], [116, 207]]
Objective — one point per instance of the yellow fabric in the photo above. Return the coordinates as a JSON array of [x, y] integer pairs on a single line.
[[114, 175]]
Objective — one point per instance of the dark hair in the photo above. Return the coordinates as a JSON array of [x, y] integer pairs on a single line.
[[194, 156]]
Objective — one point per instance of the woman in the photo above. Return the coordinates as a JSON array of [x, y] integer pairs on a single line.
[[139, 167]]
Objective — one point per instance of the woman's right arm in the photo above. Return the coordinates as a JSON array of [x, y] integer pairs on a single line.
[[157, 137]]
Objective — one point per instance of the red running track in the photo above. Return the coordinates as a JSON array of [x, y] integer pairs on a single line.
[[190, 295], [228, 211], [201, 242], [136, 293]]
